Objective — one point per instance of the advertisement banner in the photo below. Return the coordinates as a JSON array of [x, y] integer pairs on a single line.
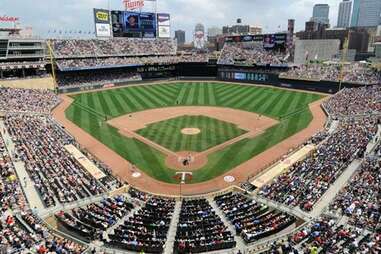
[[101, 16], [103, 30], [163, 19], [164, 32], [102, 23]]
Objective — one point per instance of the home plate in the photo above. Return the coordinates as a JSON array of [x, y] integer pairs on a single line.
[[229, 179]]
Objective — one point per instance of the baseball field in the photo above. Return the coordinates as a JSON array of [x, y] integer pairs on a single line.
[[93, 112]]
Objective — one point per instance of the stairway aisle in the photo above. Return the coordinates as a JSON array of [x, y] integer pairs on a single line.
[[240, 243], [173, 228]]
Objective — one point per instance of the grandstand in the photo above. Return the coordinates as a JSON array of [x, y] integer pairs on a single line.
[[128, 145]]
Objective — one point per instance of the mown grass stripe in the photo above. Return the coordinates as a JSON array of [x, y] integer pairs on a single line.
[[146, 104], [191, 96], [163, 98], [212, 95], [132, 101], [243, 104], [236, 96], [150, 97], [232, 95], [103, 103]]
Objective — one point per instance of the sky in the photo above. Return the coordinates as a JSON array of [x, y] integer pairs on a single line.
[[49, 15]]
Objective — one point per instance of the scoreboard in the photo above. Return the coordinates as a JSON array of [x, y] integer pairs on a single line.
[[133, 24]]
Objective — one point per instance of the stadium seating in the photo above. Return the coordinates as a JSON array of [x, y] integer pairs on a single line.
[[252, 220], [10, 190], [90, 221], [352, 73], [147, 229], [355, 101], [200, 229], [113, 47], [307, 181], [27, 100], [26, 234], [359, 199], [56, 174], [69, 80], [245, 53], [326, 236]]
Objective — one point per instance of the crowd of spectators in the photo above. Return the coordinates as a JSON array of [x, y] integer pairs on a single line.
[[355, 101], [15, 237], [57, 176], [194, 57], [146, 230], [89, 222], [200, 229], [10, 190], [324, 235], [252, 220], [305, 182], [352, 73], [244, 53], [113, 47], [68, 80], [104, 62], [360, 199], [27, 100]]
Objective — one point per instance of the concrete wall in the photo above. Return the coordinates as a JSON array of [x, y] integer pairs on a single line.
[[323, 49]]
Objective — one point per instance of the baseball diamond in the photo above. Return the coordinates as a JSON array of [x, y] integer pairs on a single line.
[[237, 135], [92, 111]]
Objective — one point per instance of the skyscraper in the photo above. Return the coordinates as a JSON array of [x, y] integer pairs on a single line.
[[344, 17], [320, 13], [180, 36], [366, 13]]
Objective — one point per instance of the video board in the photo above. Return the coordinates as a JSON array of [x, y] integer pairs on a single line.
[[133, 24], [270, 41]]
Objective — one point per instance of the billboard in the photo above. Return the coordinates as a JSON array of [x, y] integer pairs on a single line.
[[133, 24], [164, 25], [102, 23], [163, 19], [164, 32], [270, 41]]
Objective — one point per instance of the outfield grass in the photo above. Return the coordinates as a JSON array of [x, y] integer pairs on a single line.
[[290, 107], [167, 133]]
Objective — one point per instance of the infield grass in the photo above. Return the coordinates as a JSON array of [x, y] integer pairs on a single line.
[[167, 133], [90, 110]]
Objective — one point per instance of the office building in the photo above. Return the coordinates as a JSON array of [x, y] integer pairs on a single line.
[[366, 13], [320, 13], [344, 17], [180, 36]]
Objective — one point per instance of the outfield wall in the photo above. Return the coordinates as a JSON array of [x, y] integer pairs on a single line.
[[263, 75], [251, 75]]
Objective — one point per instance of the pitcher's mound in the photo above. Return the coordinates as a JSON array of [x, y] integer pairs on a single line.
[[190, 131]]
